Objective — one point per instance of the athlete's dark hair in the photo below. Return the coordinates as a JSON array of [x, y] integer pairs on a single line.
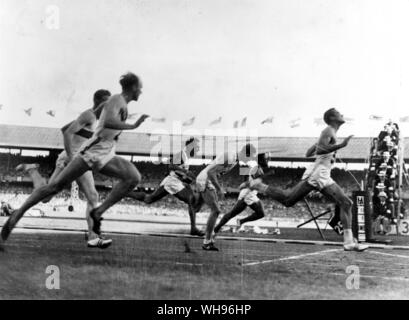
[[250, 149], [99, 94], [328, 114], [128, 80], [188, 142]]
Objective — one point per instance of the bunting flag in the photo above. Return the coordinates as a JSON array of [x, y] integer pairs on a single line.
[[163, 119], [28, 111], [295, 123], [375, 117], [51, 113], [188, 122], [268, 120], [241, 123], [215, 121], [404, 119]]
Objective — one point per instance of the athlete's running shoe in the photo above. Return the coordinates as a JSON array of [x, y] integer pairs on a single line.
[[355, 246], [209, 247], [196, 232], [99, 243]]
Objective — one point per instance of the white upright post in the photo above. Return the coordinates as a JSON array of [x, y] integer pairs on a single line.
[[401, 156]]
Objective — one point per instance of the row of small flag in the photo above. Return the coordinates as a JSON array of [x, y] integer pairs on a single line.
[[293, 123], [188, 122], [236, 124], [379, 118], [28, 111]]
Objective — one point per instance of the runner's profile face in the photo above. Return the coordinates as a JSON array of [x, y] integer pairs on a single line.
[[196, 147], [137, 91], [338, 117], [193, 148]]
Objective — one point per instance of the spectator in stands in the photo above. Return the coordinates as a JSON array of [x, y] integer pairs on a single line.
[[374, 146], [383, 133], [382, 214], [5, 209], [402, 214]]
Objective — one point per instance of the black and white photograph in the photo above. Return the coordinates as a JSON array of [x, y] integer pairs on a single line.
[[204, 154]]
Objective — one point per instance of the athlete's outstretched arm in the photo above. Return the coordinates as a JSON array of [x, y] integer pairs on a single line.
[[140, 120], [112, 118], [324, 145]]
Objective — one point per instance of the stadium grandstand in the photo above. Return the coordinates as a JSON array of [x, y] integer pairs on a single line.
[[142, 144], [149, 152]]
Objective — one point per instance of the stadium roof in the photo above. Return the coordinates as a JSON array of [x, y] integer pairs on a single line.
[[145, 144]]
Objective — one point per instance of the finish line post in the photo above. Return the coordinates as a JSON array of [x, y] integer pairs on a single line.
[[361, 216]]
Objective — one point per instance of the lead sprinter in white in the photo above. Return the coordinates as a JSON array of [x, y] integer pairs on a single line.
[[318, 177]]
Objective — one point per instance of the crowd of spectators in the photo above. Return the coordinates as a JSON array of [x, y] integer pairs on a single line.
[[383, 176], [152, 174], [17, 186]]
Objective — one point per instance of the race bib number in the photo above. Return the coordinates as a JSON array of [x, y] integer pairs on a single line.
[[404, 227], [336, 224]]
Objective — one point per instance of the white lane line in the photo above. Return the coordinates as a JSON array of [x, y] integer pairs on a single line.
[[371, 277], [291, 257], [389, 254], [369, 268], [189, 264]]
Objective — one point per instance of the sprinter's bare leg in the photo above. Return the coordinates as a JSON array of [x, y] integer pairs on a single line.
[[76, 168], [128, 177]]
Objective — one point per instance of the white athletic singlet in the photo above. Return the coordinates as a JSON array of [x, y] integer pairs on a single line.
[[202, 180], [111, 134], [84, 134], [184, 163]]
